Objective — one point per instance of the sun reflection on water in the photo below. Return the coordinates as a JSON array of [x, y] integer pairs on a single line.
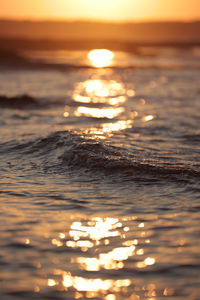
[[108, 113], [100, 91], [108, 128], [103, 245], [102, 99], [96, 229], [148, 118], [104, 103], [110, 93]]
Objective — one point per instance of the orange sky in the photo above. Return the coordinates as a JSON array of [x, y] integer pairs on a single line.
[[112, 10]]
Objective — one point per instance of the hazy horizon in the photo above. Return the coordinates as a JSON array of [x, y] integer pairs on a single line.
[[90, 20], [129, 32], [127, 21]]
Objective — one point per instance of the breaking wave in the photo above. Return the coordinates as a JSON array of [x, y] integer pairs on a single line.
[[63, 150]]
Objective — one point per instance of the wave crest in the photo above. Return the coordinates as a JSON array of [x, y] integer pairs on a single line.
[[67, 149]]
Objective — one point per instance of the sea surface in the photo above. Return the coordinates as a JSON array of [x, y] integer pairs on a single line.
[[99, 175]]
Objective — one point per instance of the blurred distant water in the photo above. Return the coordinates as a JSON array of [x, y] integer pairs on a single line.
[[100, 171]]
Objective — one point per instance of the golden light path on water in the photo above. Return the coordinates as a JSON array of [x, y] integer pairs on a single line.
[[110, 93], [100, 91], [103, 246], [102, 98], [98, 257], [105, 100], [108, 113]]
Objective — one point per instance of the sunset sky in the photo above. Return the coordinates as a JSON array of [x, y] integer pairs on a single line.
[[112, 10]]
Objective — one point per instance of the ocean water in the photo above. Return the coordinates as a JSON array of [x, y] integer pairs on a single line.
[[100, 172]]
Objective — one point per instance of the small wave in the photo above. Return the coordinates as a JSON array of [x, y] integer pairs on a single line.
[[13, 60], [191, 138], [18, 102], [26, 102], [63, 150]]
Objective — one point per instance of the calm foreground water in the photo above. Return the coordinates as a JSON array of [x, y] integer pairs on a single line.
[[100, 172]]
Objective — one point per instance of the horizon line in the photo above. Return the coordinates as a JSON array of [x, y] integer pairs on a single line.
[[90, 20]]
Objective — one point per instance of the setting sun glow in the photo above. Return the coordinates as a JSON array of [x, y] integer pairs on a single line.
[[101, 58]]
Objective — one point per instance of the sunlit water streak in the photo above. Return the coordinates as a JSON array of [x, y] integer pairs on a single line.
[[72, 231]]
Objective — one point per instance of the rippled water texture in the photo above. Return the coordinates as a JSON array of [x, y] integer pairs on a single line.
[[100, 173]]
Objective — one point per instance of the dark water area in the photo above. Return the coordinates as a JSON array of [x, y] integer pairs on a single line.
[[100, 171]]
